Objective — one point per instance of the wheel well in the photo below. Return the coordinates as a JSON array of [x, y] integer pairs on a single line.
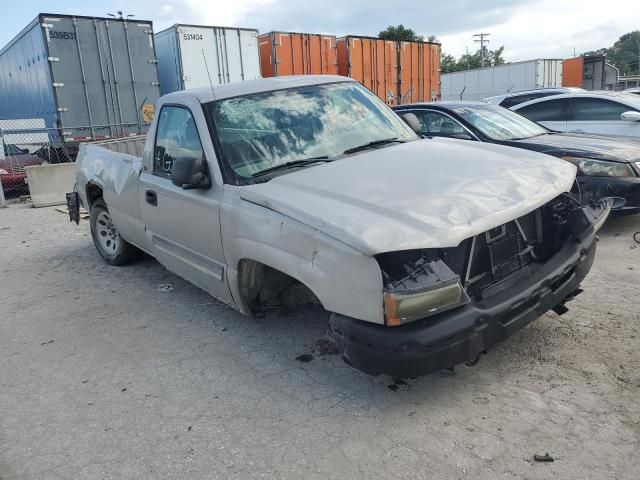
[[262, 286], [94, 192]]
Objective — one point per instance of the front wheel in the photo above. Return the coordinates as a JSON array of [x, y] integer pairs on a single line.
[[110, 245]]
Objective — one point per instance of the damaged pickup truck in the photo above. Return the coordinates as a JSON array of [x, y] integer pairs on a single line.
[[425, 252]]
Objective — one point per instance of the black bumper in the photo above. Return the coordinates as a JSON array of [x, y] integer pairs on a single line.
[[595, 188], [461, 335]]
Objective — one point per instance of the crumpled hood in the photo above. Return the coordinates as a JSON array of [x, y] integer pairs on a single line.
[[429, 193], [591, 146]]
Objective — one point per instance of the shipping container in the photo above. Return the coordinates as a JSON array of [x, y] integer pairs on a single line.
[[481, 83], [591, 72], [397, 72], [373, 62], [191, 56], [572, 72], [85, 77], [419, 72], [288, 53]]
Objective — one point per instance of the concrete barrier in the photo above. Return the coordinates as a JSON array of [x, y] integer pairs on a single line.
[[49, 183]]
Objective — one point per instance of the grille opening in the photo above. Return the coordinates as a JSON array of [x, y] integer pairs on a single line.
[[494, 257]]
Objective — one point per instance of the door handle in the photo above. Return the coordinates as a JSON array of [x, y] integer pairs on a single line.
[[151, 197]]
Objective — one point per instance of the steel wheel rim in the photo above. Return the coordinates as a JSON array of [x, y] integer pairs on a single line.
[[107, 233]]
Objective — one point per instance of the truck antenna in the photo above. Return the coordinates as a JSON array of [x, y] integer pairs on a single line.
[[204, 57]]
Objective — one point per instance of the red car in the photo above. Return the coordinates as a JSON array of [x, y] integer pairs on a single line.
[[12, 173]]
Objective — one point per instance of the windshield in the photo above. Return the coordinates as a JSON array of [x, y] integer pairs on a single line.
[[264, 130], [499, 123]]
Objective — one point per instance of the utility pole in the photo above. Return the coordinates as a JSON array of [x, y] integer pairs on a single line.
[[482, 41]]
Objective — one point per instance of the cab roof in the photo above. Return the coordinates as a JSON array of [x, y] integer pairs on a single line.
[[248, 87]]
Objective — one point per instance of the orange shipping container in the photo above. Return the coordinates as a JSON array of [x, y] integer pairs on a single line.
[[286, 53], [419, 72], [572, 70], [397, 72], [373, 62]]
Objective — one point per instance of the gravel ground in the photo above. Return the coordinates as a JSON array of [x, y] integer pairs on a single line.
[[133, 373]]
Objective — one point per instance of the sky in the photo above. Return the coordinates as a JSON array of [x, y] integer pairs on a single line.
[[527, 29]]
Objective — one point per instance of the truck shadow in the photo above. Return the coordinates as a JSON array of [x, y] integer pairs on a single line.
[[287, 353]]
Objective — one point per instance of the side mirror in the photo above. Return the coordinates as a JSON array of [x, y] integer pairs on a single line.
[[190, 173], [630, 116], [413, 122], [25, 151]]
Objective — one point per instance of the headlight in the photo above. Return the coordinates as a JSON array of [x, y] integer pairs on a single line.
[[3, 172], [429, 288], [599, 168]]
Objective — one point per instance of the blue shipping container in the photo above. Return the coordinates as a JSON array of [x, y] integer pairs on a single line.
[[86, 77]]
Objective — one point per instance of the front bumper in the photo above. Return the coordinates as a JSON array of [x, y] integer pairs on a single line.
[[595, 188], [462, 334]]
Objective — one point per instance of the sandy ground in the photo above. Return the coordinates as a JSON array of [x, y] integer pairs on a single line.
[[111, 373]]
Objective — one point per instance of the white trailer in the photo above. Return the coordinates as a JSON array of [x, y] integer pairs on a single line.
[[485, 82], [193, 56]]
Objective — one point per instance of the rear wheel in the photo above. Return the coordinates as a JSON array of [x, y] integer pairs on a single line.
[[110, 245]]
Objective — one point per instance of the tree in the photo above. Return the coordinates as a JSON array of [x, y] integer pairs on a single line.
[[470, 61], [495, 56], [400, 33], [624, 54], [448, 63]]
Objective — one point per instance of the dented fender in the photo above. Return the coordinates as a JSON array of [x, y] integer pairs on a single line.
[[117, 175], [342, 278]]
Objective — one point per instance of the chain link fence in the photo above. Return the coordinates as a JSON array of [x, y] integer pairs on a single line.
[[27, 142]]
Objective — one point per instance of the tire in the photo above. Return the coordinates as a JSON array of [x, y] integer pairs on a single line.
[[110, 245]]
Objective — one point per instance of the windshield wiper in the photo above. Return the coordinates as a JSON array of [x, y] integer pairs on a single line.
[[293, 163], [375, 143]]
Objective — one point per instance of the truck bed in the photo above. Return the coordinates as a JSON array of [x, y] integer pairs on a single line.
[[114, 167]]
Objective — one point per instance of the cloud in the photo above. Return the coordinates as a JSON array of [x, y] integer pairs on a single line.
[[342, 17], [554, 29], [527, 28]]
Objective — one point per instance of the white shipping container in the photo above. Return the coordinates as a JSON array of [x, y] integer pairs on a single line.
[[481, 83], [192, 56]]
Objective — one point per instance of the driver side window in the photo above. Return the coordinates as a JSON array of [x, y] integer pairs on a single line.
[[434, 123], [177, 136]]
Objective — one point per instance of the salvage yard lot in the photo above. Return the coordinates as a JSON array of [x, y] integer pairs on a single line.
[[132, 372]]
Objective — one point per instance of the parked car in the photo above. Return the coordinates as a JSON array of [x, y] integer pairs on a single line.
[[607, 167], [12, 167], [606, 113], [425, 252], [634, 90], [514, 98]]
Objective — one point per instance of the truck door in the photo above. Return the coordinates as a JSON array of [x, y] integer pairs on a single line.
[[183, 226]]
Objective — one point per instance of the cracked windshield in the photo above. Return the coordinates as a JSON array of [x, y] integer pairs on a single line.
[[315, 123]]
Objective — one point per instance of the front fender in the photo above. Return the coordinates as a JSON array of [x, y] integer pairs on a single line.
[[342, 278]]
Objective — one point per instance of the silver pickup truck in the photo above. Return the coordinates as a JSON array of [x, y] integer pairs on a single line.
[[425, 252]]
